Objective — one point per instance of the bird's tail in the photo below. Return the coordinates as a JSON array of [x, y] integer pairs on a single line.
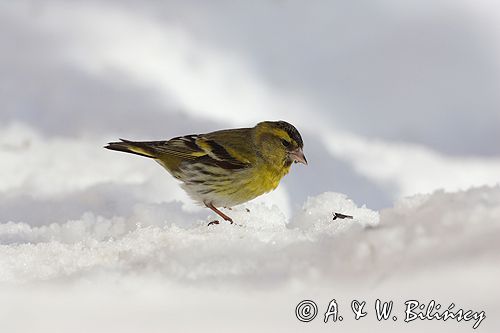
[[134, 147]]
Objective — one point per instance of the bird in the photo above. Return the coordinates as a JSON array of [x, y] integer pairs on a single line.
[[228, 167]]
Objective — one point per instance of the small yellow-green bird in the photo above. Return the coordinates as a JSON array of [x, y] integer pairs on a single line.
[[228, 167]]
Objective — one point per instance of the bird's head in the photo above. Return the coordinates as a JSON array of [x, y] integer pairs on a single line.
[[279, 142]]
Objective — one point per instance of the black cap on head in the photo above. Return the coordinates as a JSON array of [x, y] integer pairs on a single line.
[[292, 132]]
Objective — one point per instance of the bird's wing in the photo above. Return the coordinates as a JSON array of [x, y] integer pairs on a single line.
[[222, 148], [184, 147]]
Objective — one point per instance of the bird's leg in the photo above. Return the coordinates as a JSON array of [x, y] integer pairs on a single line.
[[218, 212]]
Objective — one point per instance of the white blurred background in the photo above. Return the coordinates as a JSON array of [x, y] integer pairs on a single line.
[[392, 98]]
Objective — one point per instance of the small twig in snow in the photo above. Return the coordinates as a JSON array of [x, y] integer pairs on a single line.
[[341, 216]]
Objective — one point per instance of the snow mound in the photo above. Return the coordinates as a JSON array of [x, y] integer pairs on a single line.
[[317, 212], [161, 238], [162, 257], [262, 246]]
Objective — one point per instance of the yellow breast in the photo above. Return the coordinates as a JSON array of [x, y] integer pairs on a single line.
[[264, 179]]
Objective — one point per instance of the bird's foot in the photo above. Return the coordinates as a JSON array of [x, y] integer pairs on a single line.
[[218, 212], [217, 222]]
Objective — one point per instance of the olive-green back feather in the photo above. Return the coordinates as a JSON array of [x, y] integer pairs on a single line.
[[229, 149]]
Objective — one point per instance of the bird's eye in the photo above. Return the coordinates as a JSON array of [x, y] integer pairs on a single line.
[[285, 143]]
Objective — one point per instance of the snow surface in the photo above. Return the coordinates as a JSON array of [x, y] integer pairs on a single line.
[[146, 270]]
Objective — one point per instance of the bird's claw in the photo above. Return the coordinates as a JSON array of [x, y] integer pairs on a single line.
[[217, 222]]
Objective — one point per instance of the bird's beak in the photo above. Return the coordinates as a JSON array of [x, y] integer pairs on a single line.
[[297, 156]]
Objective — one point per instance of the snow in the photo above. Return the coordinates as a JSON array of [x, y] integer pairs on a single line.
[[159, 236], [159, 250], [412, 168]]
